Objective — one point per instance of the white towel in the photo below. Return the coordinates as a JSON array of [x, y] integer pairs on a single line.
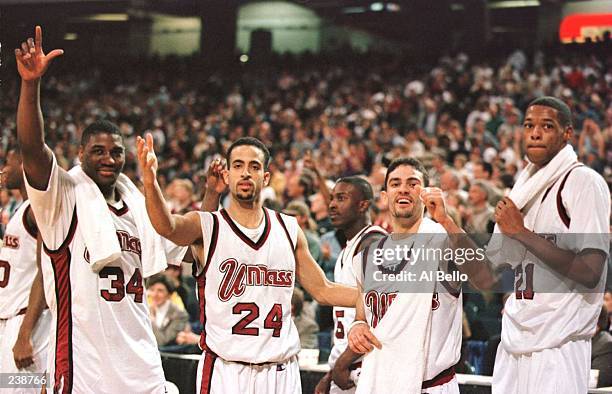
[[399, 366], [99, 232], [528, 191]]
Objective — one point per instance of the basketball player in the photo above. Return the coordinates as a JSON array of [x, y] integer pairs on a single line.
[[404, 187], [249, 259], [349, 213], [101, 337], [545, 341], [23, 324]]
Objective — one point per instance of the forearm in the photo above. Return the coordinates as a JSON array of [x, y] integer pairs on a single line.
[[478, 271], [347, 358], [323, 189], [569, 264], [36, 305], [37, 157], [161, 218], [336, 294], [210, 202]]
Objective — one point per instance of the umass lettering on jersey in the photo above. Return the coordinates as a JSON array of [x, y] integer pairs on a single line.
[[379, 303], [127, 243], [236, 276], [11, 241]]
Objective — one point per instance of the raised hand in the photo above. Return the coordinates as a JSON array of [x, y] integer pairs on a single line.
[[433, 198], [147, 159], [214, 177], [509, 218], [32, 63]]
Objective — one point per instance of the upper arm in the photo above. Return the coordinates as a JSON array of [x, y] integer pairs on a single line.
[[309, 273], [586, 198], [37, 167]]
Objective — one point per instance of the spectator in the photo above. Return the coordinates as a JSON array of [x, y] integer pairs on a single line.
[[306, 326], [301, 212], [479, 214], [167, 319], [601, 350]]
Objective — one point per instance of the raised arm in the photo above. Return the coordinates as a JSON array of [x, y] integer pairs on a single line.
[[312, 166], [313, 279], [215, 186], [183, 230], [32, 64]]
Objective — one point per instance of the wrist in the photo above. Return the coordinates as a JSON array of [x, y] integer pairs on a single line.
[[356, 323]]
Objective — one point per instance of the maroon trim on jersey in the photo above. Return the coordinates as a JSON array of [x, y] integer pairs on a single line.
[[443, 377], [63, 377], [69, 237], [244, 238], [365, 236], [32, 231], [451, 290], [560, 207], [207, 372], [201, 279], [121, 211], [282, 222]]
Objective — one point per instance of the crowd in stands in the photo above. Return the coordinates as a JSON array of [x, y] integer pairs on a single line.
[[324, 117]]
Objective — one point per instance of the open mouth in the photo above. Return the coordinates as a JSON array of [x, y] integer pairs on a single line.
[[404, 202]]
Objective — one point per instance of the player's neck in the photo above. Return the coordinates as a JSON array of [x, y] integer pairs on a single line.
[[24, 192], [406, 225], [356, 227], [247, 215], [110, 194]]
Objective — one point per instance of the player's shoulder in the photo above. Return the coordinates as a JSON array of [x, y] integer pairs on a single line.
[[583, 179]]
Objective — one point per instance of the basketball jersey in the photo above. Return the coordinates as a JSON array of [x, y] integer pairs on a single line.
[[245, 288], [101, 338], [574, 215], [344, 274], [444, 341], [17, 264]]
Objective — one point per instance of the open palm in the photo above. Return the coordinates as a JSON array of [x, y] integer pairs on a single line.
[[32, 63]]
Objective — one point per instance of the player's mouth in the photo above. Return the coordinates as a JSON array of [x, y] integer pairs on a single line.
[[245, 185], [107, 172], [536, 146], [404, 202]]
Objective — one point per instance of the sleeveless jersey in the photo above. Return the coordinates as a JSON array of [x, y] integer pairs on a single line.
[[17, 264], [101, 338], [574, 214], [344, 274], [444, 342], [245, 289]]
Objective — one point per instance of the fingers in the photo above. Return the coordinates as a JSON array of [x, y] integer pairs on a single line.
[[24, 362], [372, 339], [54, 53], [38, 39], [149, 139]]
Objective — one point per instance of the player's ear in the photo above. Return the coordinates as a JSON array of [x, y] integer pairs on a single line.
[[384, 198], [364, 206], [567, 134], [266, 179], [81, 150], [225, 175]]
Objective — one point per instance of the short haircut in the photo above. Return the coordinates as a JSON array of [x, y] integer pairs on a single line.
[[484, 186], [564, 114], [407, 161], [99, 127], [162, 279], [251, 141], [362, 185]]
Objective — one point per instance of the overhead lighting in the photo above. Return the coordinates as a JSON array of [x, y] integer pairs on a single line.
[[393, 7], [353, 10], [377, 6], [457, 7], [108, 17], [71, 36], [244, 58], [514, 4]]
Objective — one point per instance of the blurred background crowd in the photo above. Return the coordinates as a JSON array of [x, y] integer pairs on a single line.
[[326, 116]]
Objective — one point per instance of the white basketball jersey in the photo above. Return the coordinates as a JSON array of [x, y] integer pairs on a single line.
[[344, 274], [17, 264], [101, 337], [445, 336], [245, 289], [572, 211]]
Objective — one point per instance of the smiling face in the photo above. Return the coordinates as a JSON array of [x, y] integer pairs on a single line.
[[402, 192], [102, 158], [543, 134], [246, 176]]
